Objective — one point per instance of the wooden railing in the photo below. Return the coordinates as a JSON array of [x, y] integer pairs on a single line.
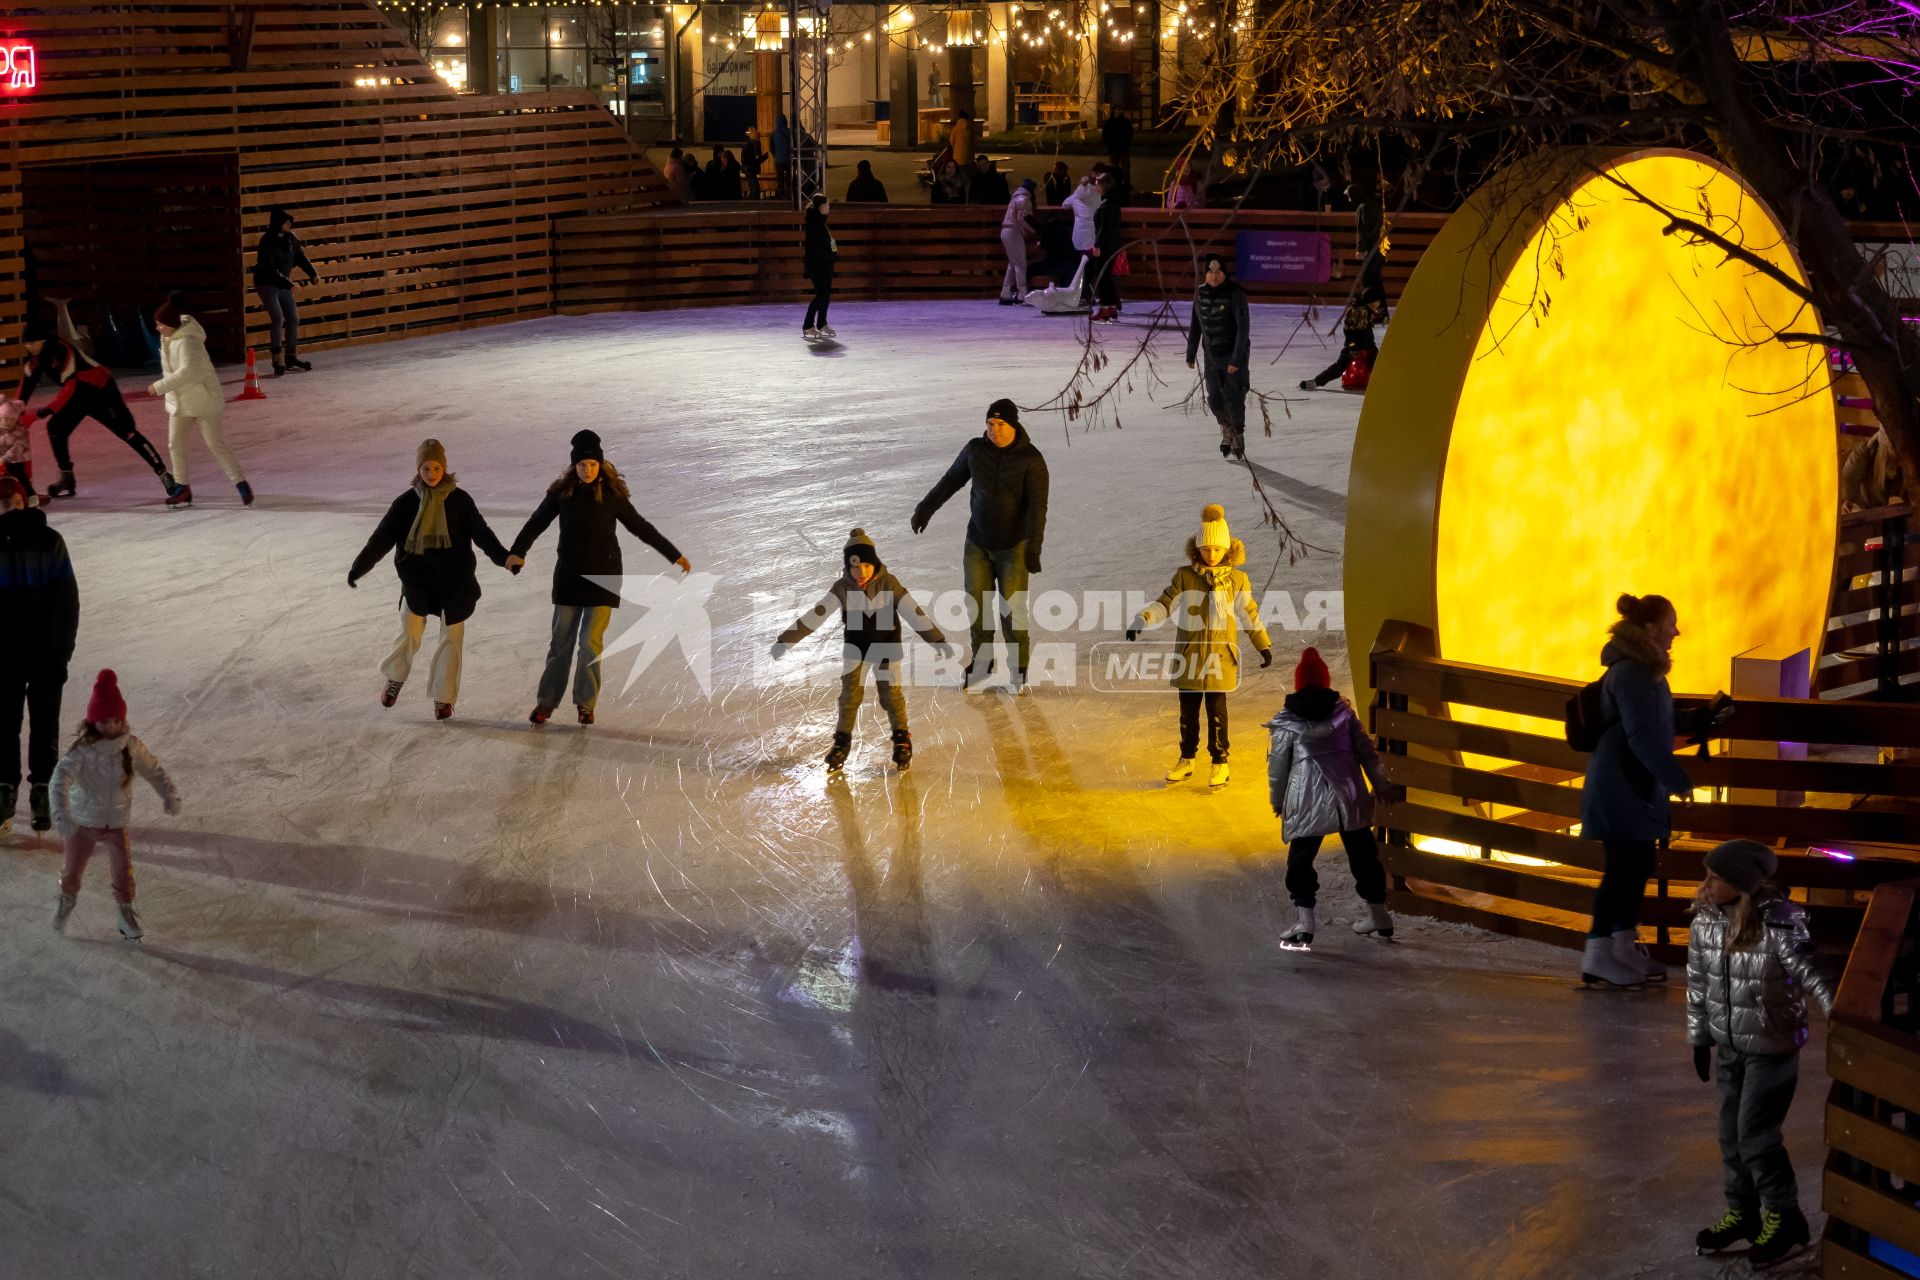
[[653, 260], [1486, 834], [1872, 642], [1871, 1191]]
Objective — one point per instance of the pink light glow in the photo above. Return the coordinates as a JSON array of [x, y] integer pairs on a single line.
[[17, 70], [1838, 855]]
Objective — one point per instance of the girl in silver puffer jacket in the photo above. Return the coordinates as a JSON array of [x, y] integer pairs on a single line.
[[1750, 969]]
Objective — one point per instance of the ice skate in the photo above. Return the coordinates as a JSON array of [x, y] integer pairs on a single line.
[[1735, 1226], [40, 805], [902, 748], [810, 334], [1182, 769], [246, 493], [837, 754], [130, 923], [976, 677], [1300, 936], [181, 497], [1599, 968], [1782, 1234], [279, 365], [295, 362], [64, 487], [443, 711], [585, 714], [62, 908], [1018, 688], [1377, 921], [1308, 384], [1632, 956], [172, 486], [391, 694], [540, 715], [1218, 775], [826, 331]]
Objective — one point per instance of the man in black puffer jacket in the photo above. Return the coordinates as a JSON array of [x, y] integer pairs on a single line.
[[1220, 317], [1004, 533], [41, 603]]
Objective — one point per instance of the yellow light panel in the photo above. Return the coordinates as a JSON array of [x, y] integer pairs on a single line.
[[1573, 405]]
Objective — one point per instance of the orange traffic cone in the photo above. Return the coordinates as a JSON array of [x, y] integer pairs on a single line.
[[252, 390]]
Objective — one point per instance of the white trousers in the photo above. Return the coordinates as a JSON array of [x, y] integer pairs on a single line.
[[445, 684], [180, 429]]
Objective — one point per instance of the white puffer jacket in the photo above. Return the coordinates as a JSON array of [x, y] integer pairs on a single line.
[[91, 787], [1084, 203], [187, 377]]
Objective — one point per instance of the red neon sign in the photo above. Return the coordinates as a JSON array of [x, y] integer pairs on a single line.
[[17, 71]]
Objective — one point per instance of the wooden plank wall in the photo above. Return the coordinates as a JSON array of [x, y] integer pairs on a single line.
[[719, 254], [423, 210]]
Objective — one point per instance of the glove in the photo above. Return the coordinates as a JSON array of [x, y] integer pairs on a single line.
[[353, 582], [1133, 633], [1266, 657], [780, 650], [1703, 1062], [1033, 564], [946, 648], [918, 524]]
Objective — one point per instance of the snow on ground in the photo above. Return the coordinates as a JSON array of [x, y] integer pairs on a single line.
[[656, 999]]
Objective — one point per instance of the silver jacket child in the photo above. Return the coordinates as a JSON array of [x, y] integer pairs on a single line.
[[1752, 1000]]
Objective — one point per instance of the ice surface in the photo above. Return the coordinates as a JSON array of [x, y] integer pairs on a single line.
[[656, 1000]]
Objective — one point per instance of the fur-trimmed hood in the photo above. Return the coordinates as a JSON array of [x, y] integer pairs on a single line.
[[1235, 557], [1634, 642]]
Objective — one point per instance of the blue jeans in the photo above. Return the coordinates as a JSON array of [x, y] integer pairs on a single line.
[[283, 314], [591, 638], [981, 572]]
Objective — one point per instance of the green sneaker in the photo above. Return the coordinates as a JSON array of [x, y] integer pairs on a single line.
[[1735, 1226]]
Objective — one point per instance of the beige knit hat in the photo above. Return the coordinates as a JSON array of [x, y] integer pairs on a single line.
[[1213, 528]]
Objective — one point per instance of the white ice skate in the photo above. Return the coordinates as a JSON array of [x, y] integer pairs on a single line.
[[1300, 936], [1378, 921]]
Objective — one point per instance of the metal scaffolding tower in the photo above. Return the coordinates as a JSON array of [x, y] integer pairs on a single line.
[[807, 24]]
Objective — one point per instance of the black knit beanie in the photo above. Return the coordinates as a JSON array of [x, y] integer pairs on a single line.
[[1744, 864], [1206, 263], [1005, 410], [859, 543], [587, 445]]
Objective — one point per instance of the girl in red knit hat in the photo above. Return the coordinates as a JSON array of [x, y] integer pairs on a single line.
[[1318, 772], [93, 799]]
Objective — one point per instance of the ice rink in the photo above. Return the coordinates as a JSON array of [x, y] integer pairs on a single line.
[[656, 999]]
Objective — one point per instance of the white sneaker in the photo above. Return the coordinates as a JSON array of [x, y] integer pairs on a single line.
[[1217, 777], [1182, 769], [1377, 920]]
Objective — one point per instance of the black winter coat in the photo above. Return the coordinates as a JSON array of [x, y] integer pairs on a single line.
[[1009, 494], [38, 596], [1106, 227], [1220, 318], [277, 257], [590, 517], [440, 581], [820, 249]]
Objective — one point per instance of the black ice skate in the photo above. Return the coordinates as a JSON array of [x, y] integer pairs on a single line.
[[837, 753], [585, 713], [40, 805], [977, 676], [181, 497], [1782, 1235], [295, 362], [246, 493], [902, 748], [64, 487], [1735, 1227], [540, 715]]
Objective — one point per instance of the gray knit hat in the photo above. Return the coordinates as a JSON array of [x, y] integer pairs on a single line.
[[1744, 864]]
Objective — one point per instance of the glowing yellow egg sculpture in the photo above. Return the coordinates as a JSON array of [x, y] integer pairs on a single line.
[[1574, 401]]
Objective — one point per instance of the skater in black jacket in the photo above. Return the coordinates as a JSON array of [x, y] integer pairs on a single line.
[[1005, 529], [41, 604], [1220, 317], [820, 253], [87, 390], [1357, 341], [431, 530], [278, 255], [592, 504], [872, 602]]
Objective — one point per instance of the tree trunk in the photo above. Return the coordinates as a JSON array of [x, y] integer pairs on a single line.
[[1851, 301]]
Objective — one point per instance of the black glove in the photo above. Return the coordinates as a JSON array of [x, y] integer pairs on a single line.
[[918, 524], [352, 581], [1703, 1062], [1033, 564], [1266, 657], [1133, 633]]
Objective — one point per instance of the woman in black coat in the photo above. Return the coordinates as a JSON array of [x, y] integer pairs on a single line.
[[592, 503], [431, 530], [820, 253]]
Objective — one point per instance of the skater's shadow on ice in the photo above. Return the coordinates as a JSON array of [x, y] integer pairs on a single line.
[[408, 886], [457, 1012], [826, 348], [1322, 502], [36, 1071]]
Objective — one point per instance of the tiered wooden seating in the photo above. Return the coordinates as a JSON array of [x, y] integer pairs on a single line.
[[422, 210]]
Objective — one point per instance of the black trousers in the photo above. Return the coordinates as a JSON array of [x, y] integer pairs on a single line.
[[1227, 397], [1216, 704], [822, 295], [1756, 1090], [104, 406], [1348, 354], [1363, 859], [1623, 885], [30, 691]]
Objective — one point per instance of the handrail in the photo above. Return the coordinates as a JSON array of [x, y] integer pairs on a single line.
[[1871, 1190]]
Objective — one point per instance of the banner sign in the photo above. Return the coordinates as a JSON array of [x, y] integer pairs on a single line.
[[17, 71], [1284, 257]]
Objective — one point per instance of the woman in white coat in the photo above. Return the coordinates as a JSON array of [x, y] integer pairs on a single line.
[[1083, 204], [192, 392]]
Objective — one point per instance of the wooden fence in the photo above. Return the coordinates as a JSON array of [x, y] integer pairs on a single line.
[[715, 254], [1871, 1190], [1872, 644], [1486, 832]]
